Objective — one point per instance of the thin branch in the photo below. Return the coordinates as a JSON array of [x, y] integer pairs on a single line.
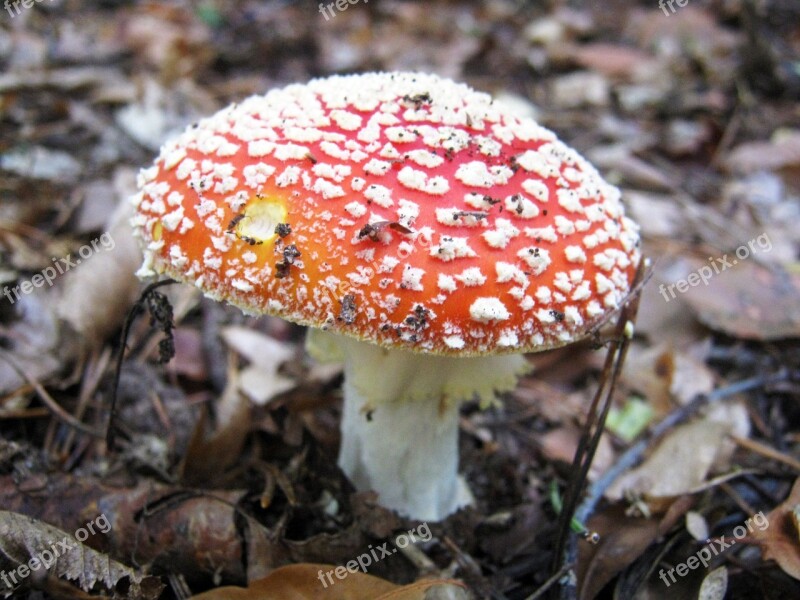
[[549, 583], [132, 314], [635, 454], [601, 403], [47, 399]]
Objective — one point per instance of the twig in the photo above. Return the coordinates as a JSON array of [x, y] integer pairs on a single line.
[[601, 403], [549, 583], [132, 314], [469, 564], [24, 413], [634, 455], [48, 400], [416, 556], [766, 451], [93, 374]]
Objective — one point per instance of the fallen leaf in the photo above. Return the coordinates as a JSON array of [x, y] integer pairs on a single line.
[[780, 540], [41, 163], [209, 456], [714, 585], [691, 378], [659, 214], [189, 360], [260, 381], [35, 341], [631, 420], [783, 150], [320, 582], [23, 538], [745, 301], [679, 464], [85, 302], [649, 372], [666, 377], [169, 528], [697, 526], [665, 321], [613, 60], [560, 445], [623, 539]]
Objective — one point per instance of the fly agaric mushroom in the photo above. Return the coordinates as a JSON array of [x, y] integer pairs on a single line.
[[426, 235]]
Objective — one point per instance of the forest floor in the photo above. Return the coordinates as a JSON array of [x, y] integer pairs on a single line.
[[225, 466]]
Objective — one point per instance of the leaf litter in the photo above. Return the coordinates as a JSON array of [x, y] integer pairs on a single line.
[[224, 469]]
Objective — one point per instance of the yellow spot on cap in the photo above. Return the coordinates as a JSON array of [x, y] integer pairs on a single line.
[[261, 216]]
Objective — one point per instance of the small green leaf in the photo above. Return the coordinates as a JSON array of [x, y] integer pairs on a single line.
[[629, 422]]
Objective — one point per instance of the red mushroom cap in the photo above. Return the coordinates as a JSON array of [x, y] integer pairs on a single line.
[[398, 208]]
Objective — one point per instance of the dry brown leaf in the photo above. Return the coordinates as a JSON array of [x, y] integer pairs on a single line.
[[658, 214], [780, 152], [152, 524], [667, 321], [97, 295], [746, 301], [561, 443], [260, 381], [691, 377], [208, 457], [309, 582], [37, 347], [780, 541], [623, 539], [190, 359], [171, 39], [23, 538], [665, 376], [650, 371], [613, 60], [679, 464], [620, 544], [92, 298]]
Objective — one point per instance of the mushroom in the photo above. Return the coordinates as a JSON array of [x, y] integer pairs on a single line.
[[426, 235]]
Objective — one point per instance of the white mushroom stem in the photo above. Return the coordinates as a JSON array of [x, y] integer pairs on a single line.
[[406, 451], [400, 419]]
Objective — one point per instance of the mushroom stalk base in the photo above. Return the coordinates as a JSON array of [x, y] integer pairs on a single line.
[[400, 419], [407, 451]]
